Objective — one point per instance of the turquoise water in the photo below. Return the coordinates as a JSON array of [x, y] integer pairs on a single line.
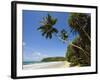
[[30, 62]]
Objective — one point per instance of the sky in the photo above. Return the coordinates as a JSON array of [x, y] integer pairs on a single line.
[[37, 47]]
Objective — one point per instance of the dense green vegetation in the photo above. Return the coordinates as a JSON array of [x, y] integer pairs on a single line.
[[80, 55], [49, 59], [77, 56], [79, 50]]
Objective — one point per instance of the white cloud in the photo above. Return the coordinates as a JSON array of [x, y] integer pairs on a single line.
[[38, 55], [24, 44]]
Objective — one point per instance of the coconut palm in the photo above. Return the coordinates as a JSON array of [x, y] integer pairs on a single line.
[[63, 34], [47, 28], [78, 23]]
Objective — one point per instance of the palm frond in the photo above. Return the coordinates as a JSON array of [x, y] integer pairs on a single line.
[[43, 33], [55, 30], [54, 21], [46, 27]]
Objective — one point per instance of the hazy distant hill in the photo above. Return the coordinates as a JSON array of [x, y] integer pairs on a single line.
[[49, 59]]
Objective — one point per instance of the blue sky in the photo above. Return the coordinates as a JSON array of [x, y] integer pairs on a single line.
[[35, 46]]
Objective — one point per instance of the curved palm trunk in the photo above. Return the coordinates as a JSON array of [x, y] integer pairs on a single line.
[[86, 34], [80, 48], [82, 31]]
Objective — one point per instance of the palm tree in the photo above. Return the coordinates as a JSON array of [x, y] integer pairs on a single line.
[[47, 28], [63, 34], [78, 23]]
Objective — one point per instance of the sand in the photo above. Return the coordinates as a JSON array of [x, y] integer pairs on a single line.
[[44, 65]]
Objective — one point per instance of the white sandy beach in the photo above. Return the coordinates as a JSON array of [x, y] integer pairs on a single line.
[[60, 64]]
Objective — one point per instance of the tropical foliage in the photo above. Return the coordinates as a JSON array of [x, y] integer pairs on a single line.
[[47, 28], [77, 56], [49, 59], [78, 51], [80, 23]]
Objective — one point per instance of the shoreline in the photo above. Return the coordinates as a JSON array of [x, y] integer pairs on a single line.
[[58, 64]]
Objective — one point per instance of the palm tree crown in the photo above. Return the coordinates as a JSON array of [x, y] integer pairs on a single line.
[[47, 28]]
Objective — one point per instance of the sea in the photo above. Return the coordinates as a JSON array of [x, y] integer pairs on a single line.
[[30, 62]]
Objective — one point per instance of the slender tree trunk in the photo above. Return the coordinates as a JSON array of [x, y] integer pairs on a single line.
[[85, 52], [80, 48], [82, 31]]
